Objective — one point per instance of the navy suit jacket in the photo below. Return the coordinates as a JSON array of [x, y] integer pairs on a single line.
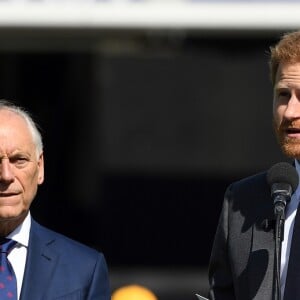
[[60, 268]]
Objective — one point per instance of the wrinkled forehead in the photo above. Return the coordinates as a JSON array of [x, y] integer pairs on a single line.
[[288, 73], [13, 121], [7, 114]]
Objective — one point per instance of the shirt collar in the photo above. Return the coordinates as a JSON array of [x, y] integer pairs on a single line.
[[297, 165], [292, 206], [21, 233]]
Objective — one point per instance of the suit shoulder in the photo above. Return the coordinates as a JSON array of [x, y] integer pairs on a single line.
[[63, 242], [251, 183], [249, 193]]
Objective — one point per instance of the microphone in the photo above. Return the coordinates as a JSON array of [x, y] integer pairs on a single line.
[[283, 180]]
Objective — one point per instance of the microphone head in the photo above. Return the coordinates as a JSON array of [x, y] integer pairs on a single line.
[[283, 173]]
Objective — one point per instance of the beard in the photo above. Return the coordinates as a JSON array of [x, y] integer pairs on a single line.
[[289, 146]]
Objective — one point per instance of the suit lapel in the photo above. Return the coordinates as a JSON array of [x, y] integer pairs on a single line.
[[261, 260], [40, 265]]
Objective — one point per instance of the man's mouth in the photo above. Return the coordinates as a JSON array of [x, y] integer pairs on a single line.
[[292, 132], [7, 194]]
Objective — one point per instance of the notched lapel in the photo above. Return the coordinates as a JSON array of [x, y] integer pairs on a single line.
[[40, 266], [261, 261]]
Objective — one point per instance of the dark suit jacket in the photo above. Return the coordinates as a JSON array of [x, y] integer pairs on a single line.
[[60, 268], [242, 259]]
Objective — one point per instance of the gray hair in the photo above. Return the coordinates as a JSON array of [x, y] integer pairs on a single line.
[[32, 126]]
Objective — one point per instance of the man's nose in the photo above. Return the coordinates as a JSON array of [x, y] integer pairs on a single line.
[[6, 172], [293, 108]]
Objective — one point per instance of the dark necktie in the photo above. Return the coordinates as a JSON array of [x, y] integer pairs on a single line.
[[8, 282]]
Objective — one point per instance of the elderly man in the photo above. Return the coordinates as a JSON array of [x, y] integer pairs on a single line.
[[36, 263]]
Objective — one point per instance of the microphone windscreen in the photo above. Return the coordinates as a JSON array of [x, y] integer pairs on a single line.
[[283, 172]]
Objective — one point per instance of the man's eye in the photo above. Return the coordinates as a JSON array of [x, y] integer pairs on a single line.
[[19, 161], [284, 94]]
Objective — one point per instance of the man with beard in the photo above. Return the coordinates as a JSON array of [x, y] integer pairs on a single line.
[[242, 259]]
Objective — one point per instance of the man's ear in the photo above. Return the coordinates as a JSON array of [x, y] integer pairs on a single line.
[[41, 169]]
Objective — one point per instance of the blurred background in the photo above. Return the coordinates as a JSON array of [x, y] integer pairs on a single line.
[[148, 109]]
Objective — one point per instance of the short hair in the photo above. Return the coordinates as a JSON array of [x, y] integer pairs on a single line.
[[32, 126], [287, 50]]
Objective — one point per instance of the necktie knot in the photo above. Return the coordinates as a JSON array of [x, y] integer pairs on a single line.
[[7, 245]]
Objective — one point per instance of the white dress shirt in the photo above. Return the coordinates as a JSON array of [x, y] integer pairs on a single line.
[[17, 256], [288, 231]]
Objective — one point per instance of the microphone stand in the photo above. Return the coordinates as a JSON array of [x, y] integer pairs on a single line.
[[283, 180], [279, 235]]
